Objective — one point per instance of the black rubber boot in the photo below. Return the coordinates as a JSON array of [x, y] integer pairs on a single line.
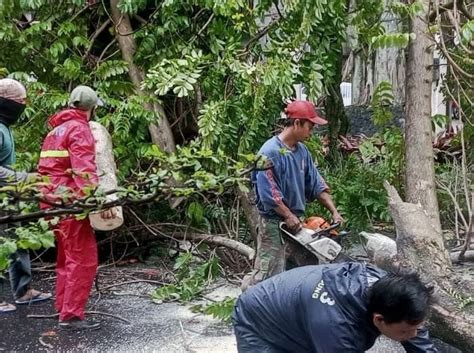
[[78, 325]]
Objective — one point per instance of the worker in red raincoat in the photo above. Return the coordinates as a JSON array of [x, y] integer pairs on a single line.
[[68, 159]]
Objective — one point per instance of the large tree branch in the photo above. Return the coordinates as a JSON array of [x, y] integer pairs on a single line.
[[76, 207], [216, 240], [160, 132], [96, 34]]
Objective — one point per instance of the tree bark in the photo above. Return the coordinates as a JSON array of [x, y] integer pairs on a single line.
[[211, 239], [383, 64], [470, 232], [250, 211], [420, 177], [160, 132], [334, 108], [389, 63], [218, 240], [420, 247]]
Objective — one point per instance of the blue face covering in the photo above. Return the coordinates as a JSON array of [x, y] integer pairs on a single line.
[[10, 111]]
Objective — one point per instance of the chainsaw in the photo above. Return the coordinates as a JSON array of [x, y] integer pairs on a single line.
[[321, 242]]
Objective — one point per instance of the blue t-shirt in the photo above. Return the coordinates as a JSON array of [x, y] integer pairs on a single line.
[[292, 180]]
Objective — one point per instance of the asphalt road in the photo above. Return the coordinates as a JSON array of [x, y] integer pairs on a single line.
[[167, 327]]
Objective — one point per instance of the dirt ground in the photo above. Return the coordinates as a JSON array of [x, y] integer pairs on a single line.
[[150, 327]]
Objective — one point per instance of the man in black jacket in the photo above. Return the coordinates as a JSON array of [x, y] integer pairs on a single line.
[[332, 309]]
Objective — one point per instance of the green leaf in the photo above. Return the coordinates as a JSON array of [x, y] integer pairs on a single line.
[[467, 32], [195, 212]]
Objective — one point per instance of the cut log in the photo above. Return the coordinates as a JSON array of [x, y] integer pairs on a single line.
[[106, 171], [382, 250]]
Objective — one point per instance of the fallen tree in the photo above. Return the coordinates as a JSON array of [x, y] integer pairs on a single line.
[[420, 247]]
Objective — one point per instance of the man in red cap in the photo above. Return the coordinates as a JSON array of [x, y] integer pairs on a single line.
[[283, 190]]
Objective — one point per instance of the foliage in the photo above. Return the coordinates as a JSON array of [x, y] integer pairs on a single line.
[[404, 10], [179, 75], [439, 121], [216, 67], [467, 32], [382, 100], [190, 168], [392, 40], [462, 301], [35, 236], [451, 191], [368, 24], [356, 182], [221, 310], [7, 247], [190, 278], [32, 236], [221, 70]]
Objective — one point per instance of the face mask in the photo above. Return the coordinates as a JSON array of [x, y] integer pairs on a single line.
[[10, 111]]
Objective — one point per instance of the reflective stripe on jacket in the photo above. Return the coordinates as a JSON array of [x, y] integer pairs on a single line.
[[68, 152]]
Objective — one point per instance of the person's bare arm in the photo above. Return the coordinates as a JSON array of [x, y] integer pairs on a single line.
[[326, 200], [11, 175], [291, 221]]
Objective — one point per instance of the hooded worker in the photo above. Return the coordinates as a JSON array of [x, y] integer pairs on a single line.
[[68, 159]]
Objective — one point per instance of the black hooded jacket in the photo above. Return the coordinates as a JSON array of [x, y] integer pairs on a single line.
[[315, 309]]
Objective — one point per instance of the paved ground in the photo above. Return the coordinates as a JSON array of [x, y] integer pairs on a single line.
[[168, 327]]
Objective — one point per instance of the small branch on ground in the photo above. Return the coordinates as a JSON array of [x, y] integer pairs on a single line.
[[43, 343], [135, 281], [100, 313]]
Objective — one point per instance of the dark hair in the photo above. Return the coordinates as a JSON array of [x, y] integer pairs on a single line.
[[400, 297], [289, 122]]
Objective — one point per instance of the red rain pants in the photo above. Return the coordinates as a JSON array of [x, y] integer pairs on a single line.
[[76, 266]]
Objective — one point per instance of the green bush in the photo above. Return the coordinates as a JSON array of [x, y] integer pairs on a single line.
[[356, 180]]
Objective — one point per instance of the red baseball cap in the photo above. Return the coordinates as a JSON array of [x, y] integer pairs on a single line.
[[304, 110]]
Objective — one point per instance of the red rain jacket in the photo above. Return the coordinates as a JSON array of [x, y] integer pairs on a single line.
[[68, 153]]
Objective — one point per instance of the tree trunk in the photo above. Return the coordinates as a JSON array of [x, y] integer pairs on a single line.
[[385, 64], [389, 63], [420, 177], [359, 80], [334, 108], [160, 132], [420, 247], [418, 241], [250, 211]]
